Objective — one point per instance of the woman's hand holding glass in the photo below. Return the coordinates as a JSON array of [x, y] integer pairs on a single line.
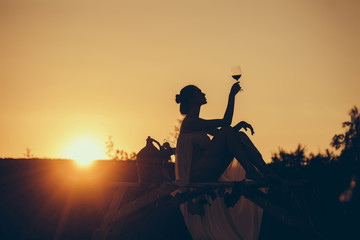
[[235, 88]]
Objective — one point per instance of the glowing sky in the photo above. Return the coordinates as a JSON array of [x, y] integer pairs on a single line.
[[99, 68]]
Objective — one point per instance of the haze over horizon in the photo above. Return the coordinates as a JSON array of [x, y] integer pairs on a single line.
[[75, 69]]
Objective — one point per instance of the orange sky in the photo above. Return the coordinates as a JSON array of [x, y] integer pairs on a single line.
[[95, 68]]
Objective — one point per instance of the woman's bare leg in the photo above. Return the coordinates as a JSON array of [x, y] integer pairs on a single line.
[[217, 158], [242, 154], [219, 155], [240, 142]]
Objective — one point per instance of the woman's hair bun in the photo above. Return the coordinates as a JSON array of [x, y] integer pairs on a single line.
[[178, 98], [185, 97]]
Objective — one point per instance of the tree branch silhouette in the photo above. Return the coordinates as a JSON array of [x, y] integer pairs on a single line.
[[116, 154]]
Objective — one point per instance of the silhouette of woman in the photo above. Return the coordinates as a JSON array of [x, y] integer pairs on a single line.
[[200, 159], [210, 158]]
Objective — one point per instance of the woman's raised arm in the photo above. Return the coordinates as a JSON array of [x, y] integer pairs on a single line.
[[228, 116]]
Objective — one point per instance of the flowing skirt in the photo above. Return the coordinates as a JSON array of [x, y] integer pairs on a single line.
[[241, 222]]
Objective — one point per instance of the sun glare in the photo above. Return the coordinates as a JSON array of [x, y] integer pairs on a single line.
[[85, 150]]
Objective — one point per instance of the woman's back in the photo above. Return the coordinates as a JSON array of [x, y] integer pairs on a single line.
[[189, 148]]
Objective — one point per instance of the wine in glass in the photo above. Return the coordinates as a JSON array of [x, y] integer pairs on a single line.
[[236, 72]]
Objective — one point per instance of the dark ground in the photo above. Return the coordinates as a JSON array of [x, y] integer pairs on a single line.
[[56, 199]]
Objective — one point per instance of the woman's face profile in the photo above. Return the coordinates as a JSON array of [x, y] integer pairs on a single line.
[[199, 97]]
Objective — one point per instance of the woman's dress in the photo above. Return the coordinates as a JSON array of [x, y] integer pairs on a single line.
[[242, 221]]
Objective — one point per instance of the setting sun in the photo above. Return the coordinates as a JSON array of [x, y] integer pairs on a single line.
[[84, 150]]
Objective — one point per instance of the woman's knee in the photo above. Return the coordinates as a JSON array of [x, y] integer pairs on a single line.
[[232, 135], [226, 129], [224, 132], [243, 135]]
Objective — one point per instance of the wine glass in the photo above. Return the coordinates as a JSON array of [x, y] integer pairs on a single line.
[[236, 73]]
